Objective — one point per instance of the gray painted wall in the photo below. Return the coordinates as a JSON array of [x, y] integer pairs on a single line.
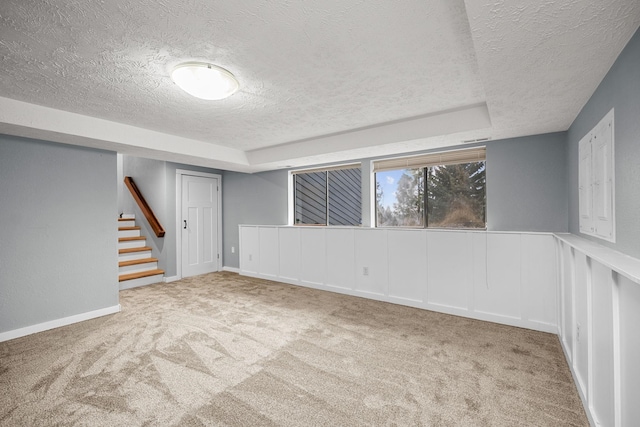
[[620, 89], [260, 198], [58, 231], [156, 180], [526, 184]]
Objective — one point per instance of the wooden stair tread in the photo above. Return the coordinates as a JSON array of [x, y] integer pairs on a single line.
[[128, 228], [129, 239], [137, 261], [139, 275], [129, 250], [126, 219]]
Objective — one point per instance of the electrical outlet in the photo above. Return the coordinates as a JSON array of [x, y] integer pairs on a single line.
[[578, 332], [250, 257], [365, 271], [233, 249]]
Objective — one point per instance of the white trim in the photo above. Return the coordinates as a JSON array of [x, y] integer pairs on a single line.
[[52, 324], [340, 166], [231, 269], [625, 265], [179, 174], [590, 344], [444, 157], [373, 201], [617, 350], [170, 279], [290, 201]]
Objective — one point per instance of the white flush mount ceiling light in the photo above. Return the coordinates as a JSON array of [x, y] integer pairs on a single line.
[[205, 81]]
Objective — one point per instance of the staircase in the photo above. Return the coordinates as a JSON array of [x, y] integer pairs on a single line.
[[135, 264]]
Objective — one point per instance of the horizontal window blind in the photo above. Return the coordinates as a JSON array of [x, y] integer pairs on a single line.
[[329, 168], [453, 157]]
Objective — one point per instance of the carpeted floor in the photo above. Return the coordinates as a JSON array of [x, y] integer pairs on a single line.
[[222, 349]]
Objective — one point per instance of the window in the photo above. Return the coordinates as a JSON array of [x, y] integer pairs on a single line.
[[329, 196], [596, 181], [441, 190]]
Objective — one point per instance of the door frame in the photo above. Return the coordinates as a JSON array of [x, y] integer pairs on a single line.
[[179, 174]]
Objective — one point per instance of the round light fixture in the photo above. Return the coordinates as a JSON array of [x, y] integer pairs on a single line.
[[204, 81]]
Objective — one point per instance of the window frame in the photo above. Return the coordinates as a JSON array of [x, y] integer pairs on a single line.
[[424, 162], [291, 214]]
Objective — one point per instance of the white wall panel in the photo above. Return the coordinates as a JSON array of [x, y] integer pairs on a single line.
[[568, 273], [407, 264], [312, 256], [480, 286], [581, 339], [371, 254], [539, 277], [249, 250], [340, 258], [629, 299], [449, 269], [269, 251], [501, 296], [602, 344], [289, 251]]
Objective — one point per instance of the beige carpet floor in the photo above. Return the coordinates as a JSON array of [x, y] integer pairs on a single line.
[[222, 349]]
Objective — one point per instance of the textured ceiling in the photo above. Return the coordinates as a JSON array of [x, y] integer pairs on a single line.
[[320, 80]]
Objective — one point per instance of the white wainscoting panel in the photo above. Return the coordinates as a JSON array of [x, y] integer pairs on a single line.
[[502, 293], [539, 277], [581, 322], [340, 258], [407, 266], [250, 250], [629, 297], [269, 259], [567, 309], [289, 251], [371, 254], [449, 269], [600, 292], [601, 326], [313, 256], [480, 284], [494, 276]]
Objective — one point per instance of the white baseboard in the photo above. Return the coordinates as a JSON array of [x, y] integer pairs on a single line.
[[231, 269], [171, 279], [52, 324]]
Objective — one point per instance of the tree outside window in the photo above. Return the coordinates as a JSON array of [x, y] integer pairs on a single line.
[[442, 196]]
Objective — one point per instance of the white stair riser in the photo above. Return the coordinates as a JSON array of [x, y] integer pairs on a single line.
[[132, 244], [134, 255], [143, 281], [131, 223], [128, 233], [138, 267]]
